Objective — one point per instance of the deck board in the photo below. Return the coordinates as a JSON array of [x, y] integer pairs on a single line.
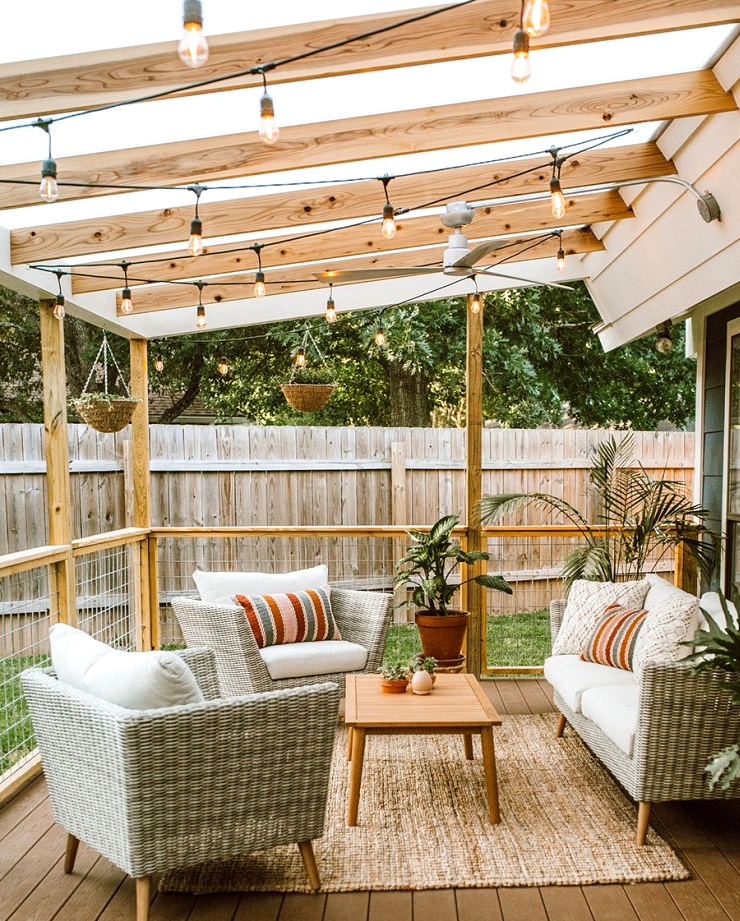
[[705, 835]]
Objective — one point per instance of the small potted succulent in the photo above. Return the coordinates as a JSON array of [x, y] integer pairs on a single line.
[[394, 679], [422, 673]]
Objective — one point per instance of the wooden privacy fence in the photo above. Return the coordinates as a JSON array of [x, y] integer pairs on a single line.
[[234, 475]]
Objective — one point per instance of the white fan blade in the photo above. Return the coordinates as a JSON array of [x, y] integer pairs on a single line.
[[527, 281], [375, 273], [478, 252]]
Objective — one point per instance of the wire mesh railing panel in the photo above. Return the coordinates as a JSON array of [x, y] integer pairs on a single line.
[[29, 605], [358, 562], [109, 590]]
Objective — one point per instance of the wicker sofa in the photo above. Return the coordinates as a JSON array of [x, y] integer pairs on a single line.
[[363, 619], [654, 731]]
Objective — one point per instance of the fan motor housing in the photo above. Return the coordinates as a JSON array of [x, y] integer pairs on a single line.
[[457, 214]]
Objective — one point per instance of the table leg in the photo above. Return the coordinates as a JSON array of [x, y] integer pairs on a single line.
[[355, 774], [349, 743], [468, 743], [489, 765]]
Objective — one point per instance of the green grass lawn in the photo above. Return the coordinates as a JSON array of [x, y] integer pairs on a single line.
[[511, 640], [16, 734]]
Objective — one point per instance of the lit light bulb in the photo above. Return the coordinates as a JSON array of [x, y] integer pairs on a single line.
[[561, 260], [331, 311], [193, 47], [380, 337], [159, 364], [200, 317], [475, 303], [127, 305], [557, 199], [521, 68], [269, 131], [388, 227], [48, 189], [664, 340], [195, 241], [536, 17], [259, 284], [59, 307], [300, 358], [223, 366]]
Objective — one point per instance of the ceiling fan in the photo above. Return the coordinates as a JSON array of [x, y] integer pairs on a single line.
[[457, 259]]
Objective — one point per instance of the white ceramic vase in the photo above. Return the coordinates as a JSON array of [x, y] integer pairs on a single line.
[[421, 682]]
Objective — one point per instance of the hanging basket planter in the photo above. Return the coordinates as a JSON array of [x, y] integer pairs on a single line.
[[105, 412], [307, 398]]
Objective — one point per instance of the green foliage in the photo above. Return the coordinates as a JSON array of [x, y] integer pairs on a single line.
[[394, 672], [640, 514], [427, 567]]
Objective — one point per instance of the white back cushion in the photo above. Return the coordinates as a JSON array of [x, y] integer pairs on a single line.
[[135, 680], [220, 587]]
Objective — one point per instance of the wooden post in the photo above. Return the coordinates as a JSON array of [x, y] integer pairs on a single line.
[[399, 515], [476, 595], [56, 448], [145, 611]]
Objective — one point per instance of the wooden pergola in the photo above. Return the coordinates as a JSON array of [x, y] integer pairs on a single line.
[[625, 199]]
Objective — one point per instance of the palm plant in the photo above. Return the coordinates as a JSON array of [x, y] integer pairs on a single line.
[[638, 516]]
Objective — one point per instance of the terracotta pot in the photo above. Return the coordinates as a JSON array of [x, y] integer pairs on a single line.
[[393, 685], [442, 637]]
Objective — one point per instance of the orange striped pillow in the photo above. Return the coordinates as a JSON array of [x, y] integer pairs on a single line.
[[293, 617], [613, 640]]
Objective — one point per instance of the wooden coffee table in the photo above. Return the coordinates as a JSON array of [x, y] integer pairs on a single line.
[[457, 705]]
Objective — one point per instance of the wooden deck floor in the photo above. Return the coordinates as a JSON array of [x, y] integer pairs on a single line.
[[706, 836]]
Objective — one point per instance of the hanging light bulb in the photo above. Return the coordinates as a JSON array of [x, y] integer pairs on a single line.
[[200, 317], [475, 303], [664, 339], [193, 47], [561, 260], [536, 17], [127, 305], [195, 241], [269, 131], [521, 67], [300, 358], [557, 199], [48, 189], [388, 227], [59, 307], [330, 313], [223, 366], [259, 283], [380, 337], [159, 364]]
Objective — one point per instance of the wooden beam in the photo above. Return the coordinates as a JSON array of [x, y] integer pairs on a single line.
[[383, 135], [473, 481], [300, 278], [82, 81], [140, 434], [510, 218], [349, 200]]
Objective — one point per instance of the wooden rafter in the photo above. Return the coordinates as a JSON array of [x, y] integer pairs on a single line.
[[509, 218], [388, 134], [83, 81], [300, 278], [348, 200]]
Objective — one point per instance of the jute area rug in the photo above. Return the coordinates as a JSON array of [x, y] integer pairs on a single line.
[[423, 822]]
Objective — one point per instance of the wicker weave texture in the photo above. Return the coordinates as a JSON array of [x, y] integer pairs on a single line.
[[307, 398], [106, 415], [362, 617], [158, 789]]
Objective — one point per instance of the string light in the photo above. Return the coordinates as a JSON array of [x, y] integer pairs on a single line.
[[521, 67], [388, 227], [159, 364], [127, 305], [200, 313], [195, 241], [331, 311], [259, 276], [475, 301], [560, 258], [300, 358], [223, 366], [59, 304], [193, 47], [380, 337], [557, 199], [48, 188], [536, 17], [664, 339], [269, 131]]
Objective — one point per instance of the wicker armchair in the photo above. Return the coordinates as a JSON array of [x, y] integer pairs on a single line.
[[153, 790], [362, 617], [683, 718]]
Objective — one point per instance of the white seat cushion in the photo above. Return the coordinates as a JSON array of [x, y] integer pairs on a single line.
[[325, 657], [613, 708], [571, 676]]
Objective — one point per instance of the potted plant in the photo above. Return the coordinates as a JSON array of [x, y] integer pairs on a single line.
[[105, 412], [427, 569], [309, 388], [394, 679]]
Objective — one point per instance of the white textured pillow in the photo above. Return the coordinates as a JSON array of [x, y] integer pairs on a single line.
[[220, 587], [710, 606], [664, 630], [135, 680], [585, 608]]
